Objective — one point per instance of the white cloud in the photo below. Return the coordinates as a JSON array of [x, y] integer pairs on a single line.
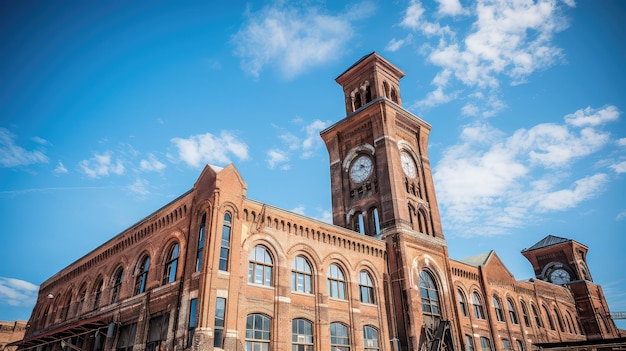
[[592, 117], [323, 215], [434, 98], [277, 157], [294, 39], [139, 187], [620, 216], [16, 292], [619, 167], [395, 44], [101, 165], [508, 40], [151, 164], [197, 150], [621, 142], [584, 189], [299, 209], [305, 141], [60, 169], [450, 8], [39, 140], [492, 181], [12, 155]]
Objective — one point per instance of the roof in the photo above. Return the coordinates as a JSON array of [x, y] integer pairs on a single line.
[[547, 241], [477, 260]]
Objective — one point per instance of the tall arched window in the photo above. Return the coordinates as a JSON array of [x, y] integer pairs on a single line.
[[302, 335], [82, 294], [169, 273], [525, 314], [512, 312], [479, 313], [429, 294], [142, 275], [301, 275], [339, 337], [118, 276], [336, 282], [462, 303], [358, 224], [571, 320], [550, 322], [537, 316], [485, 344], [520, 345], [370, 338], [97, 293], [200, 244], [498, 309], [66, 307], [366, 288], [260, 266], [225, 244], [257, 332], [374, 221], [559, 320]]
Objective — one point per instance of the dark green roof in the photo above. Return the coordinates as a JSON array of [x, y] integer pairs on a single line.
[[477, 260], [547, 241]]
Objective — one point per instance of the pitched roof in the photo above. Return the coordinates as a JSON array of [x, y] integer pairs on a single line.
[[547, 241], [477, 260]]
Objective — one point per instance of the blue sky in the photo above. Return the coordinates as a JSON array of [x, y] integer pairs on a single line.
[[109, 110]]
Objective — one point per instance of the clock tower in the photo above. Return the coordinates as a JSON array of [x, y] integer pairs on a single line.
[[563, 261], [382, 187]]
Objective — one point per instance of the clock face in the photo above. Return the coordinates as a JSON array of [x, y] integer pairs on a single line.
[[408, 165], [559, 276], [361, 169]]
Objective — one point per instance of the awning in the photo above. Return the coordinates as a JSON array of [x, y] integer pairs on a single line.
[[61, 332]]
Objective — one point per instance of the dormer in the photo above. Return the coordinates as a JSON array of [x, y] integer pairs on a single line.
[[370, 78]]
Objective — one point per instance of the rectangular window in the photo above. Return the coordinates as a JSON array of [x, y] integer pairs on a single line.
[[126, 338], [193, 317], [469, 343], [157, 332], [225, 248], [220, 317]]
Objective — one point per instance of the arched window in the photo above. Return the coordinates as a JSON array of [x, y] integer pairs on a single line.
[[469, 343], [525, 313], [429, 294], [547, 313], [336, 282], [537, 316], [260, 266], [117, 284], [169, 273], [66, 307], [512, 312], [571, 320], [394, 95], [498, 309], [370, 338], [301, 275], [358, 224], [200, 244], [302, 335], [559, 320], [257, 332], [485, 344], [520, 345], [339, 337], [225, 245], [462, 303], [82, 294], [142, 275], [479, 313], [506, 345], [357, 101], [97, 293], [368, 94], [386, 89], [374, 221], [366, 288]]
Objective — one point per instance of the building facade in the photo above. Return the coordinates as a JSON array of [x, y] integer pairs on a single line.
[[215, 270]]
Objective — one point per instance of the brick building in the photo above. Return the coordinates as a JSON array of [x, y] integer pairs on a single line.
[[11, 332], [215, 270]]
